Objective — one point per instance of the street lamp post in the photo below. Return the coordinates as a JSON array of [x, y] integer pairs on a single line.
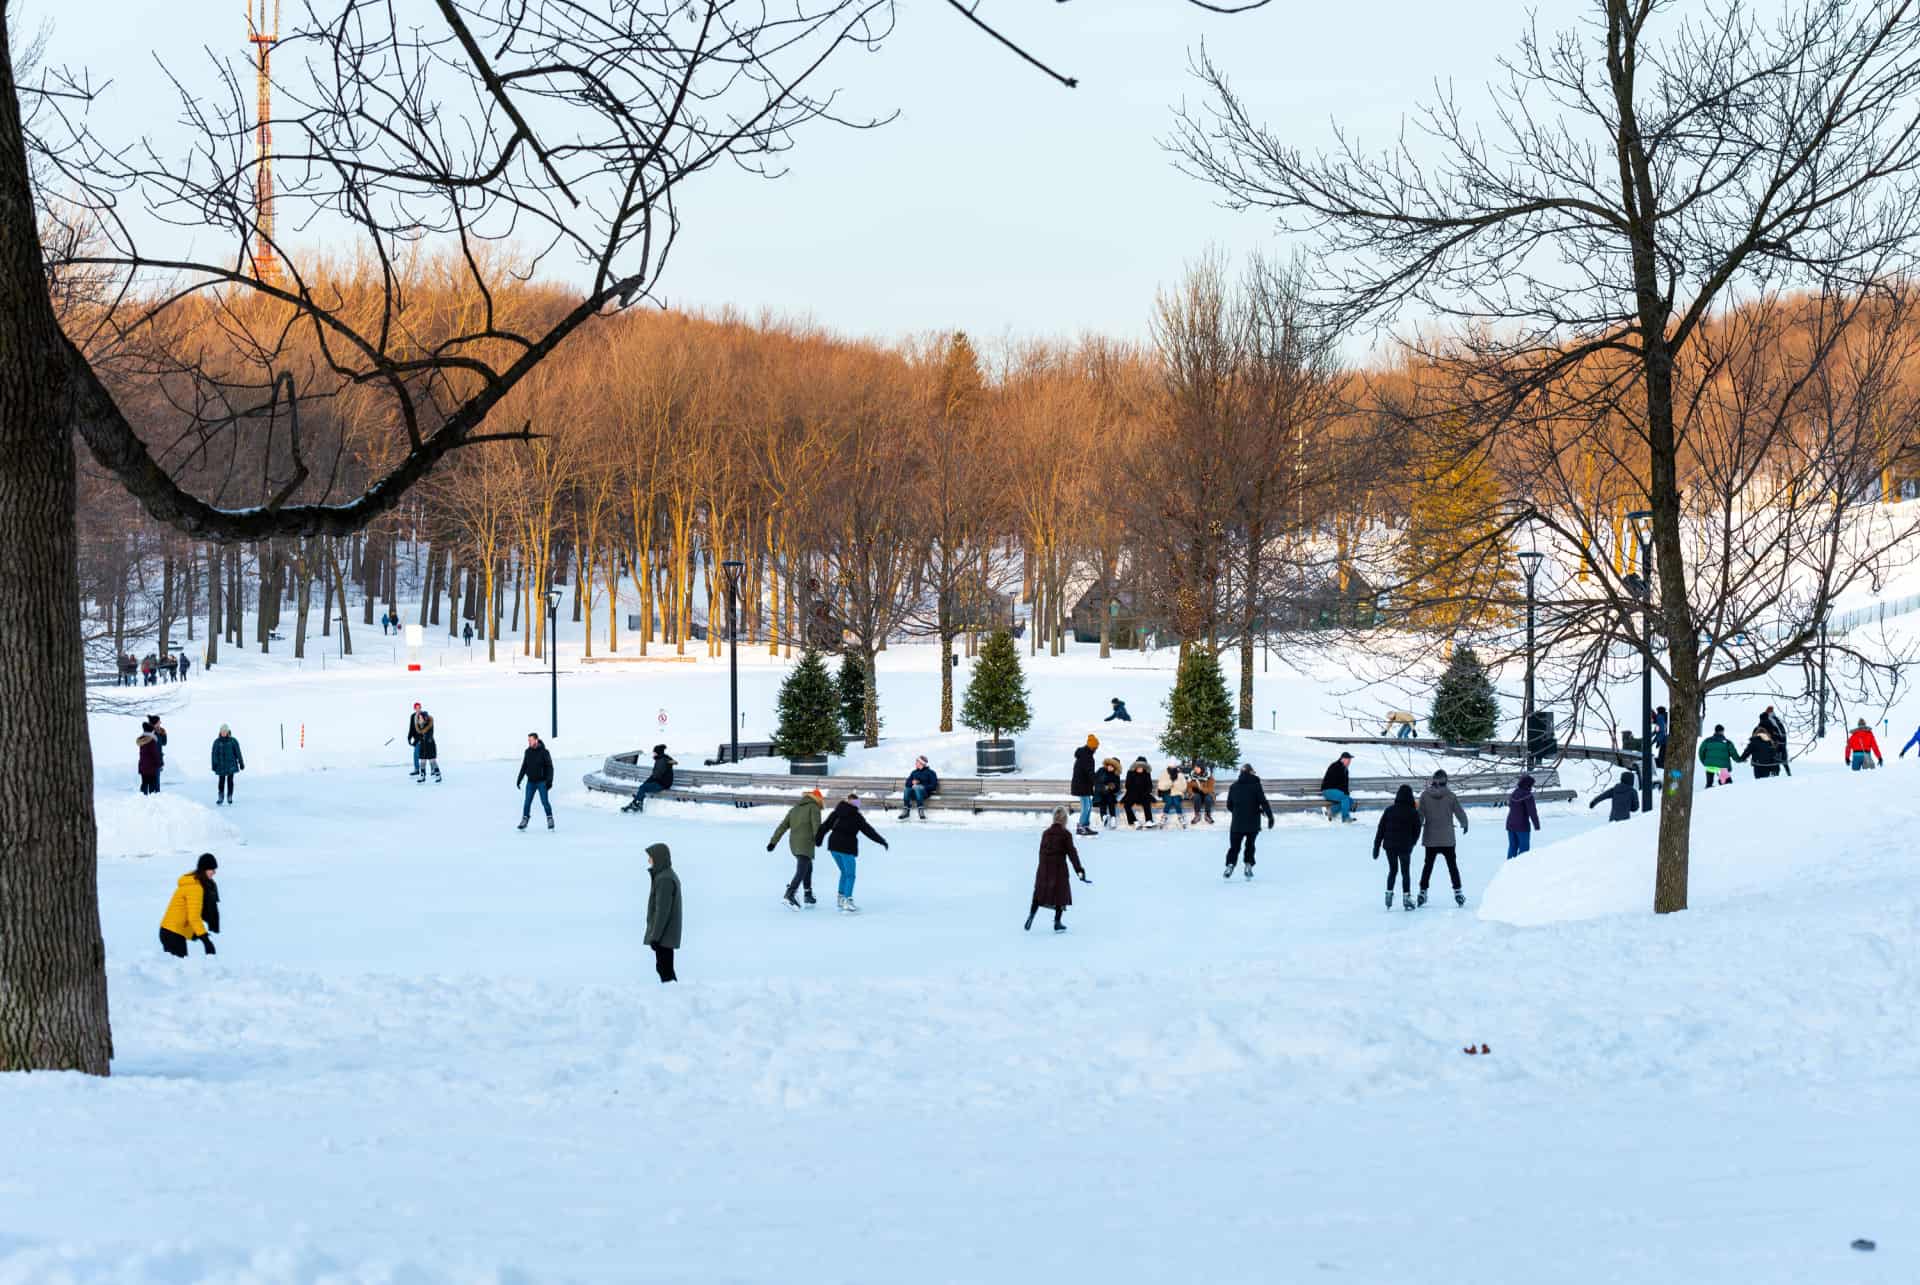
[[1642, 520], [1530, 560], [733, 570], [554, 594]]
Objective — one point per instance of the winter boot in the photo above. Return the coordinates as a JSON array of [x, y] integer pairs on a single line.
[[1409, 899], [789, 899], [1459, 898], [523, 823], [1423, 897], [809, 896]]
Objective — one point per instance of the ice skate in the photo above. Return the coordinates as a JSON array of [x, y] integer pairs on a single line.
[[848, 908], [1409, 900], [1389, 899], [1423, 897], [840, 903], [1459, 898], [791, 901], [549, 823], [923, 814], [1228, 872], [1028, 926], [1059, 928], [1248, 871], [522, 825], [903, 815], [811, 903]]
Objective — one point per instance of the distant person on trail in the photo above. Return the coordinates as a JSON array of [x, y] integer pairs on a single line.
[[1106, 791], [185, 665], [426, 748], [149, 761], [1050, 886], [466, 632], [1523, 818], [1860, 744], [1119, 712], [1246, 804], [1624, 797], [1404, 721], [1763, 752], [1137, 791], [1336, 789], [1081, 786], [800, 825], [1397, 832], [1439, 809], [227, 762], [1717, 755], [160, 740], [173, 668], [1200, 790], [149, 668], [536, 769], [841, 833], [920, 784], [663, 911], [194, 910], [658, 781], [1777, 728], [1171, 786]]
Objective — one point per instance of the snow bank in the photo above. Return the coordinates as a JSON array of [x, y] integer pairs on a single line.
[[158, 825], [1819, 827]]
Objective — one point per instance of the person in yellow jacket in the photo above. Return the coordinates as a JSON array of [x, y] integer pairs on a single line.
[[194, 912]]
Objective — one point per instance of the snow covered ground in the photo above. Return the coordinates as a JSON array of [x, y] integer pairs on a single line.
[[432, 1048]]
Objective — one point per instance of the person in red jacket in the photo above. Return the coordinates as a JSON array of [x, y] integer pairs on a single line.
[[1860, 744]]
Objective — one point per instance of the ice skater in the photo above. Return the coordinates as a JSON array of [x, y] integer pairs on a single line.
[[1081, 787], [663, 911], [1138, 792], [228, 762], [1050, 885], [1172, 789], [1200, 791], [841, 833], [1246, 804], [1397, 832], [426, 750], [800, 825], [193, 912], [536, 769], [658, 781], [1106, 792], [1439, 809]]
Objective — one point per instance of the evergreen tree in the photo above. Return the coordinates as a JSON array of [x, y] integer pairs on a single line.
[[1200, 717], [1464, 706], [809, 711], [852, 686], [996, 700]]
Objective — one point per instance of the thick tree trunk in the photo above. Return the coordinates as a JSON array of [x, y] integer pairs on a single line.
[[215, 626], [870, 702], [302, 595], [53, 980]]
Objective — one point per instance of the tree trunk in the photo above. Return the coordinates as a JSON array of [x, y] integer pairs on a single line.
[[215, 626], [333, 568], [870, 702], [302, 596], [53, 980], [1256, 534], [947, 632]]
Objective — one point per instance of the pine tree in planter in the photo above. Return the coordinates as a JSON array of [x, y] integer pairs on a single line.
[[996, 700], [809, 715], [1464, 706], [852, 688], [1200, 717]]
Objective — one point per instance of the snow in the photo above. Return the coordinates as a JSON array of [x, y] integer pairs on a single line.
[[431, 1047]]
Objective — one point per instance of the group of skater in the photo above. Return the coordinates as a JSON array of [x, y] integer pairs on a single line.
[[151, 669], [1180, 785]]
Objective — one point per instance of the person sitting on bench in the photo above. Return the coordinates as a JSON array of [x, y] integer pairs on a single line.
[[921, 782]]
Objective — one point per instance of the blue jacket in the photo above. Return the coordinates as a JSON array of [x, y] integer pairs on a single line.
[[1911, 742], [226, 756], [924, 778]]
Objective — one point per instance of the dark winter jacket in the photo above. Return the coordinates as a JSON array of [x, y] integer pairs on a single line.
[[1247, 803], [1336, 777], [159, 734], [842, 829], [1106, 782], [1119, 712], [149, 754], [925, 778], [1399, 827], [662, 774], [800, 824], [1762, 750], [1522, 811], [1050, 884], [1625, 798], [1082, 772], [420, 732], [227, 758], [663, 900], [1138, 787], [1777, 729], [210, 903], [536, 765], [1439, 809], [1717, 752]]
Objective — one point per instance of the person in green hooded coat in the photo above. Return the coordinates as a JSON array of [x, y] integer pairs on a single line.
[[663, 910], [800, 824]]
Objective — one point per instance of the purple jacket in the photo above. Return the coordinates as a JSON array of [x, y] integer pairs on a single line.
[[1521, 809]]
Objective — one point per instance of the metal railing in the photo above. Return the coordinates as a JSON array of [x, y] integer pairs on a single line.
[[1847, 621]]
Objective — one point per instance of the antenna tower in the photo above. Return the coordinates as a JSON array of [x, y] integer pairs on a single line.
[[263, 39]]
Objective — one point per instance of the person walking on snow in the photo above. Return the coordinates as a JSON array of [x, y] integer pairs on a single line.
[[1860, 744], [194, 910], [1106, 791], [466, 632], [149, 765], [1336, 789], [185, 665], [1397, 832], [1717, 755], [1911, 742], [1777, 728], [663, 911], [1439, 809], [227, 762], [536, 769], [1623, 796], [921, 782], [1119, 712], [1081, 786], [800, 825], [1050, 886], [1246, 804], [841, 833], [1763, 752], [1171, 786], [658, 781], [1138, 791], [1523, 818], [1200, 790]]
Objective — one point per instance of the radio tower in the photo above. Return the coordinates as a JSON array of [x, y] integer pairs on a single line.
[[263, 39]]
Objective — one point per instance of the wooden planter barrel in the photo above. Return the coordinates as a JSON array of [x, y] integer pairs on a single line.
[[808, 765], [995, 758]]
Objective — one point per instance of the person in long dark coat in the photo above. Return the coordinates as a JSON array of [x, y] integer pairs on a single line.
[[1137, 791], [1777, 728], [1050, 884], [1106, 791], [1763, 753], [1081, 786], [1398, 832], [1246, 804]]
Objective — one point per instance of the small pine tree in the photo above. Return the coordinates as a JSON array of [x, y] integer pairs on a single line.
[[853, 695], [1464, 706], [1200, 717], [809, 711], [996, 700]]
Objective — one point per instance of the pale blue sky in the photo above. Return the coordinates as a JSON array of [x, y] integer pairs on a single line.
[[998, 202]]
